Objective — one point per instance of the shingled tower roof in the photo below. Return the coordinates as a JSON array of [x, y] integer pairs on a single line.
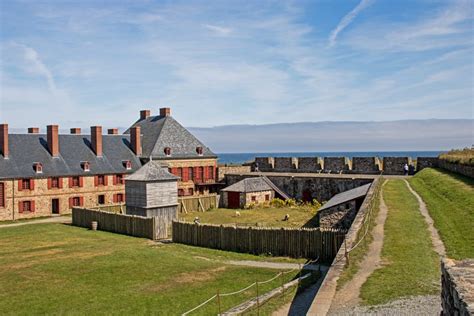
[[152, 171], [162, 132]]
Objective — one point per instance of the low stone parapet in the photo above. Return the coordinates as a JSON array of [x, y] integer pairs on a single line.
[[457, 287]]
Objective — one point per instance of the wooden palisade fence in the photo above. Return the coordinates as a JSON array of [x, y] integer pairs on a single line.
[[198, 203], [295, 243], [145, 227]]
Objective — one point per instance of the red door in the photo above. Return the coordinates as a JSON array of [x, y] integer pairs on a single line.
[[233, 199]]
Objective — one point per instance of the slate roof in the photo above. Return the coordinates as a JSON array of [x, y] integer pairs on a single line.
[[255, 184], [347, 196], [26, 149], [160, 132], [152, 171]]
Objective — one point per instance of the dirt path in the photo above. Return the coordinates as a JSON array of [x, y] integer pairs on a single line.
[[435, 239], [348, 296], [56, 219], [273, 265]]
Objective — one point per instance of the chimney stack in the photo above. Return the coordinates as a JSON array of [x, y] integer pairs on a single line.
[[33, 130], [76, 131], [112, 131], [165, 111], [144, 114], [135, 140], [53, 139], [4, 140], [96, 140]]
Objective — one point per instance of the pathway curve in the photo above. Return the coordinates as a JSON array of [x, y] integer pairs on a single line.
[[435, 238], [348, 296], [56, 219]]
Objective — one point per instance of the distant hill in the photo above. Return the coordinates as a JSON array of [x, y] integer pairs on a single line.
[[432, 134]]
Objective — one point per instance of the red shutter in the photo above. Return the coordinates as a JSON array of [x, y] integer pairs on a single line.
[[96, 181], [60, 183], [81, 201], [106, 180], [71, 202], [32, 184], [114, 198], [185, 174], [81, 182], [196, 173], [174, 171], [114, 179], [32, 206], [20, 207], [49, 183], [70, 182], [20, 185]]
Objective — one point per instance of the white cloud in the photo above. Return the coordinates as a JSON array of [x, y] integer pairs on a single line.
[[218, 30], [347, 19]]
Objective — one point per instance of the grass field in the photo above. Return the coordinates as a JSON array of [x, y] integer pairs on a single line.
[[269, 217], [463, 156], [450, 201], [59, 269], [409, 264]]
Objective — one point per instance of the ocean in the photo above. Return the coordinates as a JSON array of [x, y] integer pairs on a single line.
[[239, 158]]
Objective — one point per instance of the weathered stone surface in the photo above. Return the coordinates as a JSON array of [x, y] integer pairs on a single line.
[[426, 162], [365, 165], [308, 164], [223, 170], [394, 165], [464, 170], [340, 217], [283, 164], [336, 164], [265, 164], [457, 287]]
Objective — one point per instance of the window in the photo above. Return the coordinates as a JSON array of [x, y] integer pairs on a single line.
[[200, 173], [254, 198], [180, 192], [75, 182], [191, 191], [100, 180], [76, 201], [211, 173], [86, 166], [167, 151], [26, 184], [199, 150], [267, 197], [2, 195], [119, 179], [119, 198], [127, 164], [55, 182], [38, 167], [26, 206], [101, 199], [191, 173]]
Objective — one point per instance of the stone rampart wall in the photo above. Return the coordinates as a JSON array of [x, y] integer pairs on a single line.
[[464, 170], [426, 162], [283, 164], [457, 287], [335, 164], [365, 165]]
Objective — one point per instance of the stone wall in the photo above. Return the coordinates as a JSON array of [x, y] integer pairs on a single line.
[[365, 165], [394, 165], [426, 162], [264, 163], [457, 287], [335, 164], [224, 169], [283, 164], [42, 196], [309, 164], [464, 170], [339, 217], [260, 197]]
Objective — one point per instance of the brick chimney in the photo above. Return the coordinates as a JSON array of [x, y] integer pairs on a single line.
[[96, 140], [53, 139], [4, 140], [33, 130], [165, 111], [112, 131], [135, 140], [76, 131], [144, 114]]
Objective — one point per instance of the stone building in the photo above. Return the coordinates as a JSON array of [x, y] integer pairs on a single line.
[[165, 140], [47, 174], [152, 191], [250, 190]]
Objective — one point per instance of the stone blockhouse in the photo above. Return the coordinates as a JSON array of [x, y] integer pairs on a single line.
[[152, 191], [284, 164], [246, 192], [336, 164], [394, 165], [309, 164], [365, 165]]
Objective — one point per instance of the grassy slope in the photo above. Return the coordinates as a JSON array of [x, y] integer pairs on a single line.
[[450, 201], [410, 265], [51, 268], [271, 217]]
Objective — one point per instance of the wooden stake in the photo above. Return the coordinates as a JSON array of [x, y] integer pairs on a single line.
[[258, 301], [219, 302]]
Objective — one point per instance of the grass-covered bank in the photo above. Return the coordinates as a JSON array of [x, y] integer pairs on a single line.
[[450, 202], [59, 269], [409, 264]]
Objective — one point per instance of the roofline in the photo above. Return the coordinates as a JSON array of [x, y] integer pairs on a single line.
[[42, 176]]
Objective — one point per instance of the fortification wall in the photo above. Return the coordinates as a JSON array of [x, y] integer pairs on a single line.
[[284, 164], [265, 164], [222, 170], [457, 288], [309, 164], [464, 170], [394, 165], [336, 164], [365, 165]]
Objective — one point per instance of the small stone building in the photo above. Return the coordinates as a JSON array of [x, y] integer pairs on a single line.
[[250, 190], [152, 191]]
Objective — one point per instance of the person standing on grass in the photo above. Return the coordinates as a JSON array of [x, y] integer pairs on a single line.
[[405, 169]]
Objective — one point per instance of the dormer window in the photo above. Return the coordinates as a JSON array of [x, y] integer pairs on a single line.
[[127, 164], [86, 166], [199, 150], [167, 151], [38, 167]]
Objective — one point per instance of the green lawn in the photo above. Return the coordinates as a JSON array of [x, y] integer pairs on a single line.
[[450, 201], [269, 217], [410, 265], [59, 269]]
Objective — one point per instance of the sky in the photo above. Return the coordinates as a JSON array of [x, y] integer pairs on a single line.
[[83, 63]]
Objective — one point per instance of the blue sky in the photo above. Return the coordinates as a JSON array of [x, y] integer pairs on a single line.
[[82, 63]]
